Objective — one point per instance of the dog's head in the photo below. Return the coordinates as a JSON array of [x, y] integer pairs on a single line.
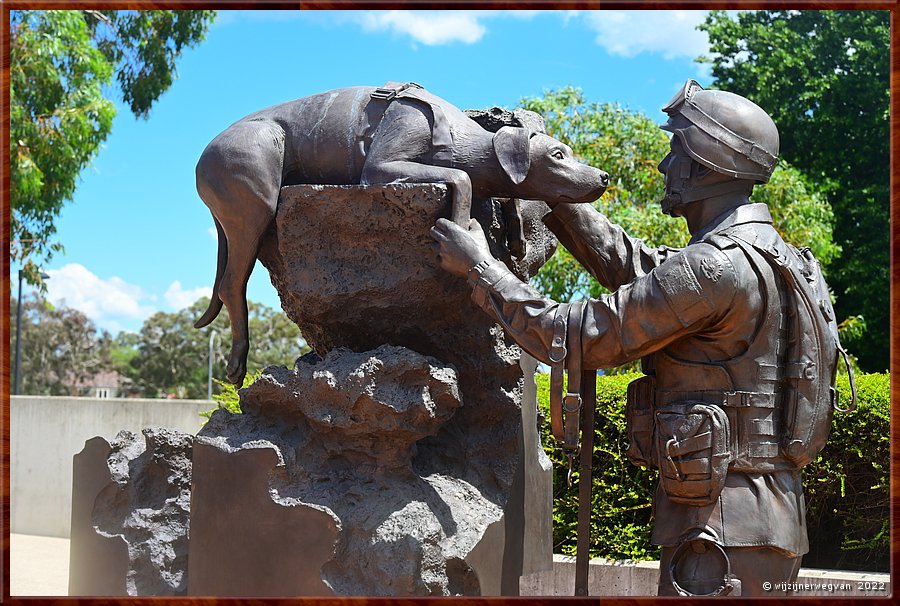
[[543, 168]]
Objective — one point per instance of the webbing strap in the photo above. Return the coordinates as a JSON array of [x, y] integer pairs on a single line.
[[441, 139], [572, 403], [558, 353]]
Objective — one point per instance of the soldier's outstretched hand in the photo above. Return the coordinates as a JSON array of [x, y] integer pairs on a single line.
[[458, 249]]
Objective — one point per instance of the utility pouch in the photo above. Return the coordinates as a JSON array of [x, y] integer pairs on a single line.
[[639, 421], [692, 451]]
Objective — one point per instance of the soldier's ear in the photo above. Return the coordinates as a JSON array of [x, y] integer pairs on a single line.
[[511, 146]]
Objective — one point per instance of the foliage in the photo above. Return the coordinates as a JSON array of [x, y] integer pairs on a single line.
[[824, 78], [847, 487], [61, 65], [61, 349], [58, 119], [171, 356], [228, 397], [630, 146], [620, 497]]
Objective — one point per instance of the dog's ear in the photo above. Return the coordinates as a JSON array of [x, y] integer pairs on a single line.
[[511, 146]]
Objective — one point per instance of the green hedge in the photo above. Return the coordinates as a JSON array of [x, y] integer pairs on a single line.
[[847, 491]]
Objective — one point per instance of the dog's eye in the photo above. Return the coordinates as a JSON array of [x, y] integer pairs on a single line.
[[558, 154]]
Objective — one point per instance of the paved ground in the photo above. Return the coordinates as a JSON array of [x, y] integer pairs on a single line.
[[38, 565]]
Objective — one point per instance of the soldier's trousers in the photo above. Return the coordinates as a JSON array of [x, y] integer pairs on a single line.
[[753, 566]]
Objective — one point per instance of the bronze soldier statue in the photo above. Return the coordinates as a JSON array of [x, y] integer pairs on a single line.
[[736, 338]]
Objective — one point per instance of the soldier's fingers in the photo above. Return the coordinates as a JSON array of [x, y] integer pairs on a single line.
[[438, 234], [444, 224]]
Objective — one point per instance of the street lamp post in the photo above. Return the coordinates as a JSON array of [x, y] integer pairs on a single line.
[[18, 382], [212, 336]]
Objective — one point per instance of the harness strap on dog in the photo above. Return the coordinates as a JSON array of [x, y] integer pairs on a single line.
[[441, 138]]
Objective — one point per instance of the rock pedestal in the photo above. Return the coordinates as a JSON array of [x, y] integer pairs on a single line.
[[401, 457]]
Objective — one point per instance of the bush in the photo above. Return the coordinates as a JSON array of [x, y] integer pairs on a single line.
[[847, 487]]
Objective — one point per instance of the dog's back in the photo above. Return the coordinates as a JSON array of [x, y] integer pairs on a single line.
[[321, 135]]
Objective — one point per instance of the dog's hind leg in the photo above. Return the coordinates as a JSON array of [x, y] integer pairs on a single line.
[[243, 247], [239, 178]]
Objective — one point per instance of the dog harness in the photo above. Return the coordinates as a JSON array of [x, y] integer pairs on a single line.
[[381, 98]]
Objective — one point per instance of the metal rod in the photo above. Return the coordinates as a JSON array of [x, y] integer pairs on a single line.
[[18, 380], [582, 549], [212, 336]]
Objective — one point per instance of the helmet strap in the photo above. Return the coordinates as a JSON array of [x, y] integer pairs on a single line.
[[716, 189], [686, 191]]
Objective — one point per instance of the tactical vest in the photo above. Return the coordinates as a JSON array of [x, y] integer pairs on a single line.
[[765, 410], [745, 388]]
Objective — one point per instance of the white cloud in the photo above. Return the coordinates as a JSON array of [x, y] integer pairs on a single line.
[[671, 33], [179, 298], [427, 27], [109, 303]]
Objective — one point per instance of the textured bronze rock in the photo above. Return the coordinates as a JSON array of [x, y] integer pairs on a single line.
[[130, 517], [402, 458], [372, 279]]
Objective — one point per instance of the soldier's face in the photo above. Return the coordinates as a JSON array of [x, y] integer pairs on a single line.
[[676, 167]]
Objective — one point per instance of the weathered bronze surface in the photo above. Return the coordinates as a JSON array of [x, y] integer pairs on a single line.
[[737, 394], [364, 135]]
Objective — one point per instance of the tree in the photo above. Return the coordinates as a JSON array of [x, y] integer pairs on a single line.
[[61, 63], [170, 356], [61, 348], [824, 78], [629, 146]]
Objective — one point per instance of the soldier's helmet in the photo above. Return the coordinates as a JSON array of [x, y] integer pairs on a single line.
[[724, 132]]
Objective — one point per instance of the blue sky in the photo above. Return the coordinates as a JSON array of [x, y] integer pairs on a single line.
[[138, 239]]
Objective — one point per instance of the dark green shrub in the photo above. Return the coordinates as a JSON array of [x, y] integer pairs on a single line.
[[620, 498], [847, 487]]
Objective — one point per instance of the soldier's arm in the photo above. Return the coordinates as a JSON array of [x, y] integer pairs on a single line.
[[610, 255], [687, 293]]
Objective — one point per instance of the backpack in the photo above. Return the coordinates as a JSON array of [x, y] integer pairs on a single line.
[[814, 347]]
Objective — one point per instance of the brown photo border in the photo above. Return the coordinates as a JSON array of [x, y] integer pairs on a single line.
[[8, 5]]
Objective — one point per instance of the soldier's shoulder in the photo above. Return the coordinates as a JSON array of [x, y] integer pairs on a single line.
[[699, 281], [713, 266]]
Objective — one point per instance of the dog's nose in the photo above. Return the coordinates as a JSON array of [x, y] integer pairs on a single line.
[[604, 178]]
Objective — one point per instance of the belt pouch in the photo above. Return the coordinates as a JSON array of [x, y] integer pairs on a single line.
[[639, 405], [692, 448]]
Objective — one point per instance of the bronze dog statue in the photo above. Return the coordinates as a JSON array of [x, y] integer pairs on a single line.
[[367, 136]]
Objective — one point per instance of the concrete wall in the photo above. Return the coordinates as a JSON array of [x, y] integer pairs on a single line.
[[628, 578], [46, 432]]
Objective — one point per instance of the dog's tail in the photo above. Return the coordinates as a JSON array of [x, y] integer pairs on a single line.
[[215, 303]]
